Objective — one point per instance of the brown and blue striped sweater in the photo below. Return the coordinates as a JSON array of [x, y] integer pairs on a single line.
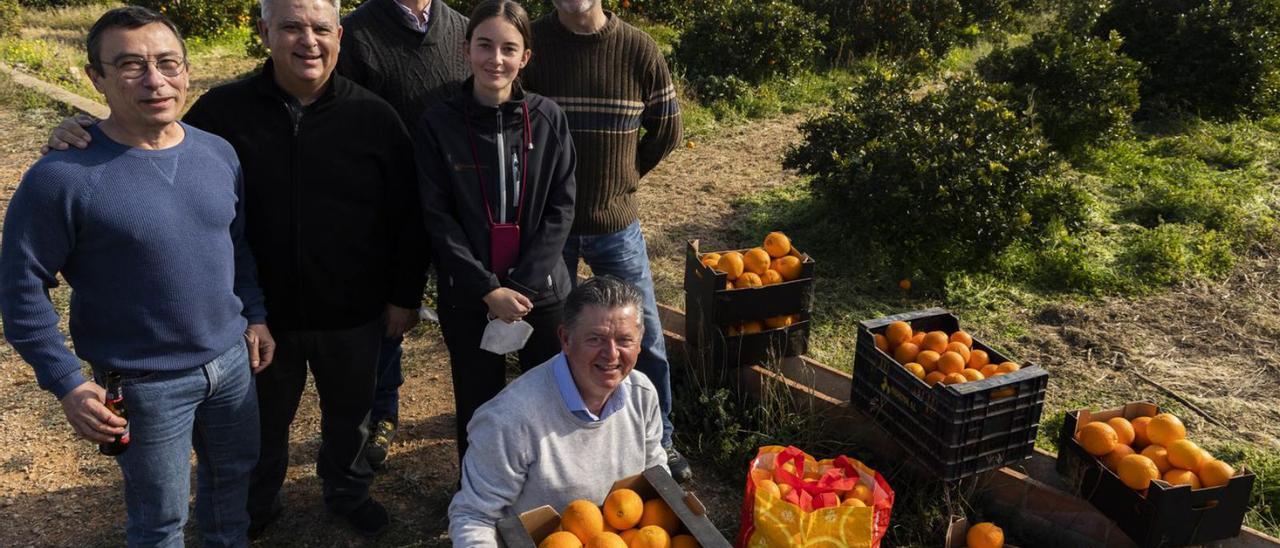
[[610, 84]]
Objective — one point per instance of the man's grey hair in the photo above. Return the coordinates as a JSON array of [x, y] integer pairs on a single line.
[[266, 7], [606, 292]]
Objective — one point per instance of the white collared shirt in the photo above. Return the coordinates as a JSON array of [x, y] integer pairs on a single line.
[[416, 21]]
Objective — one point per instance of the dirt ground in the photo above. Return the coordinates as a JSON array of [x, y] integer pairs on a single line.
[[1211, 344]]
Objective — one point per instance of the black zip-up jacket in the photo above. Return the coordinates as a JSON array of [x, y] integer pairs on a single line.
[[332, 210], [453, 203]]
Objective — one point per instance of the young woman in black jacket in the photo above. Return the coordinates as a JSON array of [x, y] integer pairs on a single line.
[[496, 172]]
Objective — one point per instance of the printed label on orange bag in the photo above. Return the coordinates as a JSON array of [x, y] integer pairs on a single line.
[[791, 499]]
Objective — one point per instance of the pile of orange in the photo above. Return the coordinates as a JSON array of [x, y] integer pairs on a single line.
[[771, 263], [769, 479], [939, 357], [1149, 449], [624, 521], [756, 326]]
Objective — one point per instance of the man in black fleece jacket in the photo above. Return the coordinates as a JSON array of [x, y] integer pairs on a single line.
[[337, 231]]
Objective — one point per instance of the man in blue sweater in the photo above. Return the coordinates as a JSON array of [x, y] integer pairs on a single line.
[[147, 227]]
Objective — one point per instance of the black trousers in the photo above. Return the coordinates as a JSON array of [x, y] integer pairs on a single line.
[[478, 375], [344, 363]]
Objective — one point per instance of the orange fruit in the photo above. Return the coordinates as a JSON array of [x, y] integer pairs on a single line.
[[784, 489], [1159, 455], [628, 535], [881, 342], [560, 539], [623, 507], [777, 244], [1112, 460], [990, 370], [710, 259], [750, 327], [935, 341], [954, 378], [607, 540], [960, 349], [756, 260], [934, 377], [747, 279], [984, 535], [906, 352], [928, 359], [763, 486], [1097, 438], [962, 338], [1165, 429], [1140, 438], [777, 321], [770, 277], [728, 284], [1215, 473], [1185, 454], [656, 512], [978, 359], [788, 266], [897, 333], [862, 492], [1008, 367], [972, 375], [1178, 476], [684, 541], [916, 369], [582, 518], [1207, 457], [650, 536], [854, 502], [951, 362], [1123, 428], [917, 338], [1137, 472], [731, 264]]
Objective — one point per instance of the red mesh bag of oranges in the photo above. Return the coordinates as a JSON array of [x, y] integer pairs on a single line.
[[793, 499]]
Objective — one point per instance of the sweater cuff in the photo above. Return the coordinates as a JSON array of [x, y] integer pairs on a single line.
[[256, 318], [60, 387]]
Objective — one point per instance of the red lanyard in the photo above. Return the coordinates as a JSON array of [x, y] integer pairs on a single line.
[[524, 158]]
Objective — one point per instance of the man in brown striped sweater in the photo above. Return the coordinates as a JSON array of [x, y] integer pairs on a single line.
[[612, 83]]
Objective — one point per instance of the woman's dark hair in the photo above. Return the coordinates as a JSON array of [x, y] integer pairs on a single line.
[[128, 17], [510, 10]]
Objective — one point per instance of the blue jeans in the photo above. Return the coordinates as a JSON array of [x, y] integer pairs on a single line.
[[386, 395], [623, 254], [212, 408]]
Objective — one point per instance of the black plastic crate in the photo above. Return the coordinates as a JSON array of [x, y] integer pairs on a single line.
[[1167, 515], [955, 430], [709, 308]]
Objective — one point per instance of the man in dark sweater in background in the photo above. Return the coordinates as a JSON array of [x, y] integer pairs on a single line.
[[147, 227], [406, 51], [612, 81]]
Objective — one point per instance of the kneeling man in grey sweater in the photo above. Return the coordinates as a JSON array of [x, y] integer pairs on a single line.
[[568, 428]]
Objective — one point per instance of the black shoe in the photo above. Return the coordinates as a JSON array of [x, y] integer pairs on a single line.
[[379, 446], [369, 519], [678, 465], [259, 524]]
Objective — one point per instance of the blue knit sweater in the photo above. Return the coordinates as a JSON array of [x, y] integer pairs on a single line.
[[151, 243]]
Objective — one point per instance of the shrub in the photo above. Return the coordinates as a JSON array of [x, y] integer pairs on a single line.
[[937, 183], [204, 18], [903, 28], [750, 41], [10, 18], [45, 4], [536, 8], [1081, 89], [674, 12], [1220, 58]]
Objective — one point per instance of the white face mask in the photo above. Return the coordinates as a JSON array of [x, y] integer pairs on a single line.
[[503, 338]]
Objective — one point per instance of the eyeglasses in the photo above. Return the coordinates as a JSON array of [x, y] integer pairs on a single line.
[[135, 67]]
